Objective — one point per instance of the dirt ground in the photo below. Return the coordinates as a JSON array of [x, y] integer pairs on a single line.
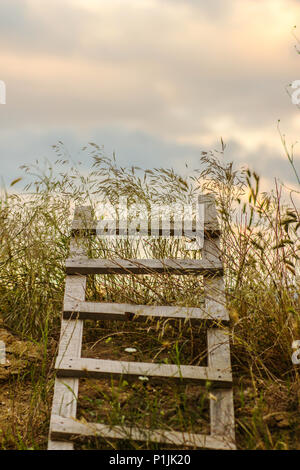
[[267, 415], [23, 404]]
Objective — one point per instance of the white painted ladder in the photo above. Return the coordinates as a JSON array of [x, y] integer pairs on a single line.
[[70, 366]]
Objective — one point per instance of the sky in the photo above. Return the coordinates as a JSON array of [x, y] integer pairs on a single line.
[[155, 81]]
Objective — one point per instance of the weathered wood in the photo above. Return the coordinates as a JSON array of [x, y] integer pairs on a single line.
[[215, 302], [221, 408], [142, 266], [66, 428], [97, 368], [70, 366], [90, 228], [211, 223], [85, 223], [66, 390], [211, 252], [129, 312], [214, 293]]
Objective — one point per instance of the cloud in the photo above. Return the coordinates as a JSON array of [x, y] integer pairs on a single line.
[[152, 77], [134, 148], [213, 10]]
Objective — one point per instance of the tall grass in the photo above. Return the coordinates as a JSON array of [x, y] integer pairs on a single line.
[[259, 248]]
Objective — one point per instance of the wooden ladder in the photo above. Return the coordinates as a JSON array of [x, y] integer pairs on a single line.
[[70, 366]]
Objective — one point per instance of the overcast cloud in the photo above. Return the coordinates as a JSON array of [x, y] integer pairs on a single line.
[[157, 81]]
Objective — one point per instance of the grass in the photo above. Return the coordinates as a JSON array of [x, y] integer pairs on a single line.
[[259, 248]]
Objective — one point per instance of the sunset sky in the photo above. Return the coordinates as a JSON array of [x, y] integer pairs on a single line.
[[156, 81]]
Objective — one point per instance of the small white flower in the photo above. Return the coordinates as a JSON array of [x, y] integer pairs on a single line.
[[130, 350], [143, 378]]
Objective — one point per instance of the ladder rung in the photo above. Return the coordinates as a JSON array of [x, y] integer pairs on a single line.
[[70, 366], [67, 428], [211, 230], [85, 223], [123, 312], [97, 368], [142, 266]]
